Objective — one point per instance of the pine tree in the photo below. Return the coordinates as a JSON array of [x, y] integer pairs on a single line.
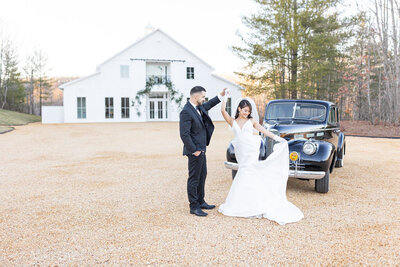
[[10, 83], [294, 48]]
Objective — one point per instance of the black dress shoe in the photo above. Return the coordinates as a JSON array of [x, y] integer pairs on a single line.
[[198, 212], [206, 206]]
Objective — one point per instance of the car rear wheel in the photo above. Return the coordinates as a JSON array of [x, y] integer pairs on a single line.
[[322, 185], [233, 174]]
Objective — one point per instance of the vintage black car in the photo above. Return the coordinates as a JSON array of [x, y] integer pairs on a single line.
[[312, 129]]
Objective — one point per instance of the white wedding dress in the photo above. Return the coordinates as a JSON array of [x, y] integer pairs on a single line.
[[259, 188]]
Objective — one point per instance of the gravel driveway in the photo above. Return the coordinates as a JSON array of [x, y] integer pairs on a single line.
[[86, 194]]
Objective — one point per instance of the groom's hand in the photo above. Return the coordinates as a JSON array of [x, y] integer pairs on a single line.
[[223, 91], [197, 153]]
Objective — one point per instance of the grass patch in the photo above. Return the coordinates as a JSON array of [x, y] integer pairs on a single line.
[[4, 129], [10, 118]]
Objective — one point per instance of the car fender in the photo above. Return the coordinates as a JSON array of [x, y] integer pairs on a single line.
[[341, 144], [325, 150], [323, 156]]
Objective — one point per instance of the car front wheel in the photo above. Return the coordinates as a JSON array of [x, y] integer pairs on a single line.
[[322, 185]]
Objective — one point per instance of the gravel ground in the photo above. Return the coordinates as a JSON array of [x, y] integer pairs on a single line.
[[113, 194]]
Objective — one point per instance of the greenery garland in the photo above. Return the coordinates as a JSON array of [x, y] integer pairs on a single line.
[[151, 81]]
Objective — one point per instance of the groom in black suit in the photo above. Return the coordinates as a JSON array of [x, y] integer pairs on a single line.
[[196, 129]]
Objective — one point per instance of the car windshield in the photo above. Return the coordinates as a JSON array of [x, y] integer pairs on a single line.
[[294, 111]]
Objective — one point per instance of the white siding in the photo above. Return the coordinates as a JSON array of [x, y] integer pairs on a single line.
[[108, 82]]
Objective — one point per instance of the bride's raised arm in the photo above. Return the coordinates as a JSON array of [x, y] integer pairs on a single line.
[[225, 114]]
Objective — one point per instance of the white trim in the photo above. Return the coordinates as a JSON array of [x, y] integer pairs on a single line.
[[62, 86], [227, 81], [148, 35]]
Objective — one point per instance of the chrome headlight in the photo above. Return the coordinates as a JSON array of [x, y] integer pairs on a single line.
[[309, 147]]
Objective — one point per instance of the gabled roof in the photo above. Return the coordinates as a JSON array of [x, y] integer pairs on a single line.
[[227, 81], [166, 35], [62, 86], [141, 40]]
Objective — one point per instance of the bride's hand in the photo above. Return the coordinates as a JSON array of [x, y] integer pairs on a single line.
[[279, 139]]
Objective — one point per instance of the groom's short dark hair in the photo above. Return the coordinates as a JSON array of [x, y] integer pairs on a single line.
[[197, 89]]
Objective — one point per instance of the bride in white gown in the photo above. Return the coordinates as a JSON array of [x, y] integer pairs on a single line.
[[259, 187]]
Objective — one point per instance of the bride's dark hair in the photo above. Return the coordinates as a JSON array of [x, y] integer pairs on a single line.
[[242, 104]]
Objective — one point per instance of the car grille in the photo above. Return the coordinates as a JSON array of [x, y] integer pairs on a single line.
[[300, 166]]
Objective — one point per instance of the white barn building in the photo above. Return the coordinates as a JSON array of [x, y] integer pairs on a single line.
[[108, 94]]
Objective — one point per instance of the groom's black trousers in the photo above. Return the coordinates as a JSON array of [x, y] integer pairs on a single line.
[[197, 177]]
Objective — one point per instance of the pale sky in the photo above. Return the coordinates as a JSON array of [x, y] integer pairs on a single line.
[[77, 35]]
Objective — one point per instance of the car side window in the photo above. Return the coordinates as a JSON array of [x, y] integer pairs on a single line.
[[337, 115], [332, 116]]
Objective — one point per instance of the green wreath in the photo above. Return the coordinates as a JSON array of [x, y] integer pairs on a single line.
[[174, 95]]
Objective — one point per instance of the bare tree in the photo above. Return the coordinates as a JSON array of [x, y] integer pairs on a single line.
[[38, 83], [29, 71]]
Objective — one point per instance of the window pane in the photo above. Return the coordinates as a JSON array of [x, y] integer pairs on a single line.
[[160, 111], [151, 110], [125, 107], [109, 108], [229, 106], [81, 107], [124, 71], [190, 73]]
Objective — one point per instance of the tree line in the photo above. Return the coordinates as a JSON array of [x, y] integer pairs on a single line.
[[23, 87], [307, 49]]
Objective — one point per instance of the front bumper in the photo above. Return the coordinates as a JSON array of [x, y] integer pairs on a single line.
[[312, 175]]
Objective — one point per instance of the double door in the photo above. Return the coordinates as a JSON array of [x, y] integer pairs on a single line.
[[158, 107]]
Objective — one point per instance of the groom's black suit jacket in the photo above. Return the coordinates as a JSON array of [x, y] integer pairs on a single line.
[[196, 131]]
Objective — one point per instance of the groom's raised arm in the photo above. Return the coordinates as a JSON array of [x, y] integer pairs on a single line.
[[214, 101], [185, 124]]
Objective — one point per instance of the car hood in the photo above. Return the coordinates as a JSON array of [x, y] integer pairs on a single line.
[[296, 128]]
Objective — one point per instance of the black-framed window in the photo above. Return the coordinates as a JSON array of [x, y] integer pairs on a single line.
[[124, 71], [152, 109], [81, 101], [229, 106], [189, 73], [125, 107], [109, 105]]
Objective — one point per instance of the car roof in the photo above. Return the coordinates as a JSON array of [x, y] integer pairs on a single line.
[[323, 102]]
